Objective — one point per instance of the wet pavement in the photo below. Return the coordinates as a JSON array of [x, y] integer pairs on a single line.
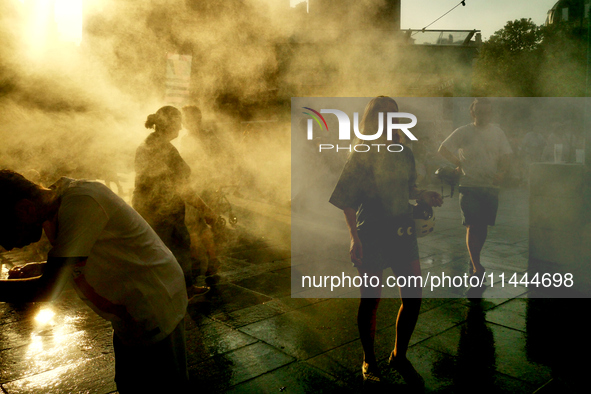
[[248, 335]]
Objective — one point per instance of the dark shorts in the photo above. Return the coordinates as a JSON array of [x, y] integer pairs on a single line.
[[390, 247], [157, 368], [479, 205]]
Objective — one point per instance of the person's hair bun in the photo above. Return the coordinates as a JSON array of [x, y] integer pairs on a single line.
[[151, 121]]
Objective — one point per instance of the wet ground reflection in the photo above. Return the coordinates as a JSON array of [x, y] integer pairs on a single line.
[[44, 344], [250, 336]]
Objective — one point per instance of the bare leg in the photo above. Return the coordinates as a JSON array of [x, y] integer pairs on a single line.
[[366, 322], [475, 238], [366, 318], [203, 248], [408, 313], [405, 325], [210, 249]]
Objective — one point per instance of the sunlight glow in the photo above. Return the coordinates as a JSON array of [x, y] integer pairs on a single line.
[[68, 18], [39, 25], [44, 316]]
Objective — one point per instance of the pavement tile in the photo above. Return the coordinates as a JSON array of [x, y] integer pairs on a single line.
[[227, 297], [470, 370], [437, 369], [83, 376], [47, 349], [194, 319], [212, 339], [289, 303], [471, 339], [501, 250], [511, 314], [32, 346], [450, 226], [459, 259], [15, 313], [344, 362], [246, 316], [272, 284], [311, 330], [299, 377], [506, 234], [516, 263], [512, 356], [223, 371], [441, 318], [503, 384], [433, 254]]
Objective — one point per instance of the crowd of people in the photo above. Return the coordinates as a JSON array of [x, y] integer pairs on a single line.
[[137, 267]]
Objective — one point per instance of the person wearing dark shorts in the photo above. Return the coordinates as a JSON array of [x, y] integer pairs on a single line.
[[480, 151], [479, 205], [373, 192]]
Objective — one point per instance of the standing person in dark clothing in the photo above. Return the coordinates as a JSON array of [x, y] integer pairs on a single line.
[[162, 188], [480, 151], [203, 152], [373, 191]]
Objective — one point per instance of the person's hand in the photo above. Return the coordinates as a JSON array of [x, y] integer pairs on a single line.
[[434, 199], [30, 270], [356, 252]]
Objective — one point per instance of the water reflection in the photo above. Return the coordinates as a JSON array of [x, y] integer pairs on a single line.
[[52, 336], [44, 343], [45, 316]]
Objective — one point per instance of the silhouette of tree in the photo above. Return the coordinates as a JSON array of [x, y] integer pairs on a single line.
[[526, 60], [564, 62], [509, 61]]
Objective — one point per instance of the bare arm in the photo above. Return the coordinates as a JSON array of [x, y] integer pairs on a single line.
[[447, 155], [46, 287], [356, 250]]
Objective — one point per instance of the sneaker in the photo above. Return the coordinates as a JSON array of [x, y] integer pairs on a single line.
[[195, 292], [370, 374]]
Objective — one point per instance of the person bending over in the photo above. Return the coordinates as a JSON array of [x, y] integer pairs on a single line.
[[117, 264]]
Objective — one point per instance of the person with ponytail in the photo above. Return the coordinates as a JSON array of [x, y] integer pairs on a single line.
[[162, 188]]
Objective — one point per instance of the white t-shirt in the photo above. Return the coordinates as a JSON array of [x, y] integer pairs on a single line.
[[479, 150], [130, 277]]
